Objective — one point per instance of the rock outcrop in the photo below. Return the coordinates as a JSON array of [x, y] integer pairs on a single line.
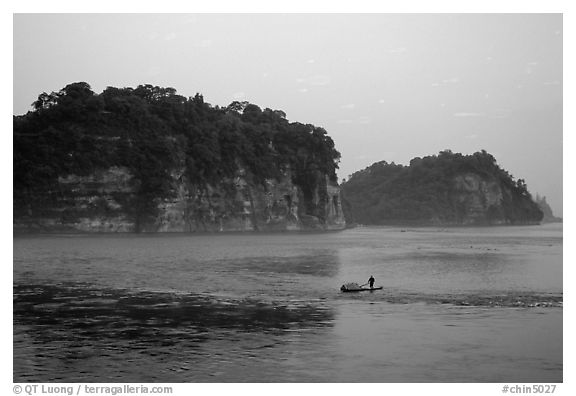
[[476, 198], [547, 210]]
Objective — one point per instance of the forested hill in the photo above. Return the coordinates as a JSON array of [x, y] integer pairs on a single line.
[[159, 139], [444, 189]]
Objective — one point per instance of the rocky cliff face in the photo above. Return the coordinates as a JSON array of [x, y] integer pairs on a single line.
[[478, 201], [100, 202]]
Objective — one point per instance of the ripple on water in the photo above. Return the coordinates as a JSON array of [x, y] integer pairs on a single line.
[[71, 325]]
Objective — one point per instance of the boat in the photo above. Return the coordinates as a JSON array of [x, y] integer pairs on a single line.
[[354, 287], [345, 290]]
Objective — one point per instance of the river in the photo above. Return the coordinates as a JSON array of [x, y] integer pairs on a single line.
[[457, 305]]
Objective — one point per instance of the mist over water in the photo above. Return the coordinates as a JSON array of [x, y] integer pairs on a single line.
[[457, 305]]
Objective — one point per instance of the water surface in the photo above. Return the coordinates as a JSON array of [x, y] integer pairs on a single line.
[[458, 305]]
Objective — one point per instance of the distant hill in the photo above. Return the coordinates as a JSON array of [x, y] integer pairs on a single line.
[[547, 210], [444, 189]]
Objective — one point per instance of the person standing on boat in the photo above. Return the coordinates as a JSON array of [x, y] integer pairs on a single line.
[[371, 282]]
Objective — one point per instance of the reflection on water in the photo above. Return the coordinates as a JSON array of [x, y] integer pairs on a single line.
[[127, 314], [459, 305], [74, 316]]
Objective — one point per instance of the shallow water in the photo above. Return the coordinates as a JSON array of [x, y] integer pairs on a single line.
[[458, 305]]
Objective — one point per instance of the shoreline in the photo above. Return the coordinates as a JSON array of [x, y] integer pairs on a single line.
[[399, 227], [182, 233]]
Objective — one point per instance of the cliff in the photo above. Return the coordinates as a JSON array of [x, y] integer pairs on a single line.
[[100, 203], [448, 189], [148, 160]]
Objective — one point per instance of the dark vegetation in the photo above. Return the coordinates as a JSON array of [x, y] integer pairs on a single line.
[[156, 133], [425, 191]]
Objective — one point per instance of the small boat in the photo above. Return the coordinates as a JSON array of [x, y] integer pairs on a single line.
[[360, 289], [354, 287]]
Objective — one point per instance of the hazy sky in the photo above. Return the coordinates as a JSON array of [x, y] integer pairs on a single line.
[[385, 86]]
